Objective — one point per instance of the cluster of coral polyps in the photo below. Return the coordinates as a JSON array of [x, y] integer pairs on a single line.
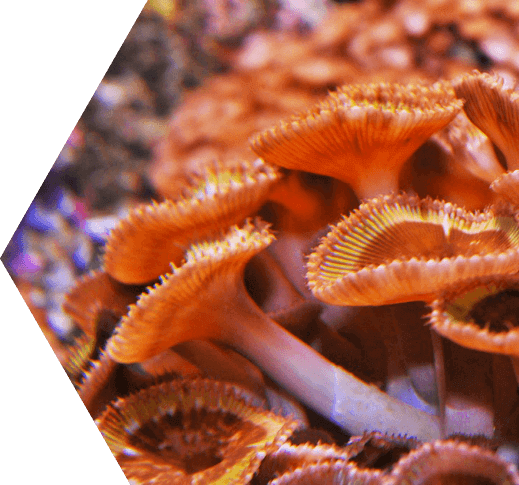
[[225, 321], [274, 73]]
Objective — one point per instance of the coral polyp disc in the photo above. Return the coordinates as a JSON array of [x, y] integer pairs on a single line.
[[402, 248], [192, 432]]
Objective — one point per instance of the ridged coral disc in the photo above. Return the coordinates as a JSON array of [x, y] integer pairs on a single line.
[[469, 149], [372, 452], [482, 315], [78, 357], [188, 432], [186, 304], [289, 457], [451, 461], [507, 185], [143, 245], [330, 472], [493, 109], [375, 450], [402, 248], [360, 130], [95, 293], [95, 380]]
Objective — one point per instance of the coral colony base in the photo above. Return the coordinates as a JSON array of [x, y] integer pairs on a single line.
[[232, 336]]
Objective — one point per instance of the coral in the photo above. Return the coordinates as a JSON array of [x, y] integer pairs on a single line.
[[234, 294], [393, 249]]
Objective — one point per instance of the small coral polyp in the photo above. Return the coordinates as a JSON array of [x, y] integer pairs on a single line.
[[481, 314], [192, 432], [452, 462]]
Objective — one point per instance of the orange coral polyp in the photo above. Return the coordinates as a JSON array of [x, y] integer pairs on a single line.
[[451, 461], [494, 109], [152, 236], [452, 315], [401, 248], [507, 186], [361, 134], [172, 311], [197, 431]]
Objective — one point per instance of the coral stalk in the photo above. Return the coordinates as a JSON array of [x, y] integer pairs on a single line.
[[206, 299]]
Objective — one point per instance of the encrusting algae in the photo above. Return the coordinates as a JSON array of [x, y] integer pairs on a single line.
[[218, 280]]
